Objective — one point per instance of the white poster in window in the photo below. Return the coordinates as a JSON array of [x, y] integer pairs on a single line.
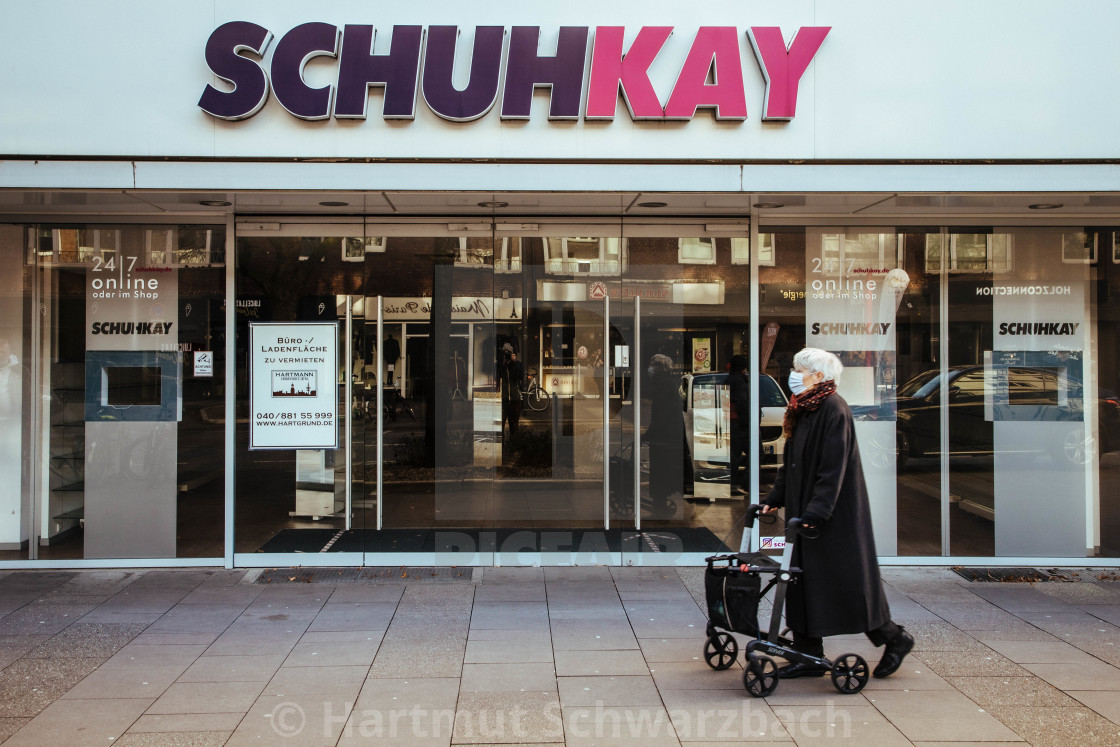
[[204, 363], [1036, 378], [853, 288], [293, 398]]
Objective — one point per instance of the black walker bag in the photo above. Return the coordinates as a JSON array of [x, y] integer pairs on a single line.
[[733, 595]]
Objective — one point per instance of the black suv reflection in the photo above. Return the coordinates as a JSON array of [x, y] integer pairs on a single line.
[[977, 397]]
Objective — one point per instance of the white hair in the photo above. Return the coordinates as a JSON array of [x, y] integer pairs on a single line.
[[815, 360]]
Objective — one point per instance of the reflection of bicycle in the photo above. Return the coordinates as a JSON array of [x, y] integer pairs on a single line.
[[395, 403], [536, 398]]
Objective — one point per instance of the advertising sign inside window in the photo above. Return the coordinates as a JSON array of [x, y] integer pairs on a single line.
[[294, 387]]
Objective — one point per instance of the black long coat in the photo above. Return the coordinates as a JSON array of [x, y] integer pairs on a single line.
[[840, 590]]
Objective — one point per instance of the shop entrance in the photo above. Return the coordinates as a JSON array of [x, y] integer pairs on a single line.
[[512, 395]]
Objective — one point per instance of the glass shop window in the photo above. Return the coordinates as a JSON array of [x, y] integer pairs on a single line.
[[696, 251], [970, 252], [475, 251], [584, 255], [741, 250]]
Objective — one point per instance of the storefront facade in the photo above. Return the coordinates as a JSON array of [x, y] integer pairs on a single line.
[[262, 304]]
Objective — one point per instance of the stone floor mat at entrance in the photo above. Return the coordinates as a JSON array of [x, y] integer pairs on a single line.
[[1016, 575], [376, 575], [454, 539]]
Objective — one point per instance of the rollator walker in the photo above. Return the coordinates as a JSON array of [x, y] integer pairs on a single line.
[[733, 587]]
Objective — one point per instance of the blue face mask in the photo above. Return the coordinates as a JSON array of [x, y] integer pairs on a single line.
[[796, 382]]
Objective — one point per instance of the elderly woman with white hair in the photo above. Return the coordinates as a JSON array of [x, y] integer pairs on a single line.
[[821, 481]]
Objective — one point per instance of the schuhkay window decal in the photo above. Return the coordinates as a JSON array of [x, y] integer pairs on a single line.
[[710, 77]]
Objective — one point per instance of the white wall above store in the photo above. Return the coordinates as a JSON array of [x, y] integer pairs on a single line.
[[956, 79]]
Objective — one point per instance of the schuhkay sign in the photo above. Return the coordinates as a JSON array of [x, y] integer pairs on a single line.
[[710, 77]]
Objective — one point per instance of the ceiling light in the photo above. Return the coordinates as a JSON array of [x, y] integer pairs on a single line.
[[493, 204], [215, 203], [333, 203], [769, 205], [652, 204], [1046, 206]]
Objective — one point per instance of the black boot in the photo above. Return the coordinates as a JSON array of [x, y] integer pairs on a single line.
[[894, 652]]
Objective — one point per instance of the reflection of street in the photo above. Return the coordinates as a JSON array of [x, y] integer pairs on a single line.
[[919, 507], [523, 490]]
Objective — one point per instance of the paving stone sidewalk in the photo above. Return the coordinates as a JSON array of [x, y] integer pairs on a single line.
[[577, 656]]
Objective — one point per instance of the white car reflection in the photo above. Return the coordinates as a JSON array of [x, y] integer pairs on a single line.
[[707, 417]]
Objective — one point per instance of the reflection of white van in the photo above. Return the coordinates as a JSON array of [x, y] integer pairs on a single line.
[[707, 421]]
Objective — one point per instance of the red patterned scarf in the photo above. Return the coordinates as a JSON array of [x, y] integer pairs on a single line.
[[807, 401]]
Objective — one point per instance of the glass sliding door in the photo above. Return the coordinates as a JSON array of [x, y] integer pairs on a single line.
[[17, 383], [868, 295], [304, 426], [690, 288], [550, 495], [1023, 400]]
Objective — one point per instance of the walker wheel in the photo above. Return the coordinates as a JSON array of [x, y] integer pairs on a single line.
[[760, 676], [849, 674], [720, 651]]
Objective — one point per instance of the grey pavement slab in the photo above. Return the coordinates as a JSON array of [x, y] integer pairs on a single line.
[[721, 716], [504, 717], [332, 653], [27, 686], [508, 652], [296, 720], [194, 723], [600, 663], [341, 682], [531, 656], [513, 591], [151, 656], [42, 619], [1104, 702], [88, 640], [207, 697], [173, 739], [521, 677], [366, 594], [1079, 676], [232, 668], [1039, 652], [98, 721], [989, 692], [610, 691], [354, 616], [623, 726], [403, 712], [510, 616], [104, 684], [673, 649], [1051, 727], [197, 618], [939, 715]]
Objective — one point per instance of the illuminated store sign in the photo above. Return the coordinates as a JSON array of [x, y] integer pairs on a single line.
[[710, 77]]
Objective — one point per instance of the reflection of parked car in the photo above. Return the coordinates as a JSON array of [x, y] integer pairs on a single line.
[[977, 397], [707, 420]]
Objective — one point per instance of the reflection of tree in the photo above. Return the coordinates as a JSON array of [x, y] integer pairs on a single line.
[[275, 268], [437, 384], [192, 248]]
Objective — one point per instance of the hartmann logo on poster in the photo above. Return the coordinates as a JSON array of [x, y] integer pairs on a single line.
[[423, 61]]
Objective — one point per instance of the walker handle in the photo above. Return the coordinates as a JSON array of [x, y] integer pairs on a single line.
[[752, 512], [798, 525]]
